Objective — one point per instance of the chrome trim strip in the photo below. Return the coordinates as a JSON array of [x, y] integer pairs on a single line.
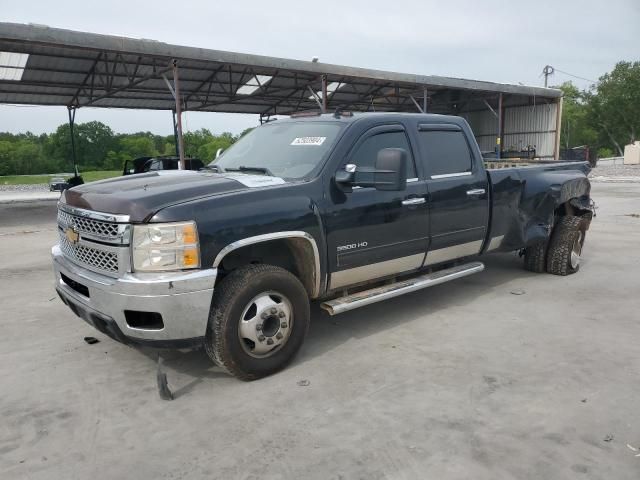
[[452, 175], [413, 201], [355, 275], [442, 127], [457, 231], [276, 236], [456, 251], [360, 299], [104, 217], [123, 240], [495, 243], [409, 180]]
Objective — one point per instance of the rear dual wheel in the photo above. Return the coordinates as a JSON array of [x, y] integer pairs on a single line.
[[535, 257], [560, 254], [565, 246]]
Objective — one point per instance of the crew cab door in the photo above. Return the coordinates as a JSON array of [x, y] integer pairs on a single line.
[[372, 233], [458, 192]]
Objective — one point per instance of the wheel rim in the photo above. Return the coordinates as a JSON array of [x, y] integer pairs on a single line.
[[576, 251], [265, 324]]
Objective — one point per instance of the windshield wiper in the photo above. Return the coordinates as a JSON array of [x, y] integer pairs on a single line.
[[212, 167], [242, 168]]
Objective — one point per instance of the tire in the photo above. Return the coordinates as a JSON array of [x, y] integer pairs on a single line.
[[258, 321], [535, 257], [565, 246]]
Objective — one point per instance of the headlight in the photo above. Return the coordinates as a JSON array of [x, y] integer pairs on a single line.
[[165, 246]]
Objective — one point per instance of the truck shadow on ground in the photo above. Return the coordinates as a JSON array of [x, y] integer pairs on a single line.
[[328, 332]]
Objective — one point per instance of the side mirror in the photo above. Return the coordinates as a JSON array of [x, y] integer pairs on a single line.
[[391, 170], [345, 179]]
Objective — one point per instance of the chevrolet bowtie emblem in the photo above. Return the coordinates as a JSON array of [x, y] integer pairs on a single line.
[[71, 234]]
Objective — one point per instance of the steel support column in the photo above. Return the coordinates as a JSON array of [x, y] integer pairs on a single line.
[[556, 147], [420, 109], [175, 133], [176, 86], [72, 121], [499, 137], [325, 100], [424, 100]]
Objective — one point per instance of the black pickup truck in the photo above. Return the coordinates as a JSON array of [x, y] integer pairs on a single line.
[[341, 209]]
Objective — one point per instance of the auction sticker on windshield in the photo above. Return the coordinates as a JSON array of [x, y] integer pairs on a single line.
[[308, 141]]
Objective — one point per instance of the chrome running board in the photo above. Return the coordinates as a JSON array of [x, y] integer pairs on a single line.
[[367, 297]]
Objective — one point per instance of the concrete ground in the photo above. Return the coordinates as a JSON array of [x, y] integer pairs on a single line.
[[17, 196], [461, 381]]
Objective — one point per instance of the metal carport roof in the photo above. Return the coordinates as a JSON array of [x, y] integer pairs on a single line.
[[50, 66]]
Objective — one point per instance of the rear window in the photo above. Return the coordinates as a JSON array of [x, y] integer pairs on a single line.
[[445, 152]]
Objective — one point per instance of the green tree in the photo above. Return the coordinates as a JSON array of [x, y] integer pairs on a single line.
[[114, 161], [614, 106], [94, 140], [196, 139], [244, 132], [575, 129], [208, 151], [27, 156], [7, 165], [137, 146]]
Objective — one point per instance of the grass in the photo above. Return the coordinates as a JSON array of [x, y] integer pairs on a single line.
[[90, 176]]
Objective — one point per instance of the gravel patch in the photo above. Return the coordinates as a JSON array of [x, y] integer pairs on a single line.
[[616, 173], [36, 187]]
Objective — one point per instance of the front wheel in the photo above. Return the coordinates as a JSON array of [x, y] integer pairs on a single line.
[[258, 321], [565, 246]]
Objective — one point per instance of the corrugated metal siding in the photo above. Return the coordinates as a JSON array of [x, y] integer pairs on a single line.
[[523, 126], [484, 125], [531, 126]]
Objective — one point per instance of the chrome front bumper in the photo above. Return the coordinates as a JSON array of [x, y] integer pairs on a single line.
[[182, 299]]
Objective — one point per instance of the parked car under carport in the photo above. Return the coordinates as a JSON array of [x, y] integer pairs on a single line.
[[58, 184]]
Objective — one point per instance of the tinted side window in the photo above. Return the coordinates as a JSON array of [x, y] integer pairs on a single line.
[[445, 152], [154, 165], [366, 154]]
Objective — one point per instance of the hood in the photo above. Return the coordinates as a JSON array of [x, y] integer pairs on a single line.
[[140, 196]]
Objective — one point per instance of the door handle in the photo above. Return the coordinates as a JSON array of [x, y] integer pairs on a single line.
[[414, 201], [477, 191]]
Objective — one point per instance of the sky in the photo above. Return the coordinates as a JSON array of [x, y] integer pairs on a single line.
[[494, 40]]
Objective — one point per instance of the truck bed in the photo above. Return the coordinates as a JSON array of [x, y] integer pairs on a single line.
[[523, 205]]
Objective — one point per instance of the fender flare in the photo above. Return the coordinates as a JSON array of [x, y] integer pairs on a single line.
[[277, 236]]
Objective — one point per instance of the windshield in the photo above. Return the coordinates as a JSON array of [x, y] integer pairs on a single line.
[[289, 150]]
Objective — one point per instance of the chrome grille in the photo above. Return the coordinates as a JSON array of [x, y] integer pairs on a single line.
[[105, 230], [92, 257], [101, 239]]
